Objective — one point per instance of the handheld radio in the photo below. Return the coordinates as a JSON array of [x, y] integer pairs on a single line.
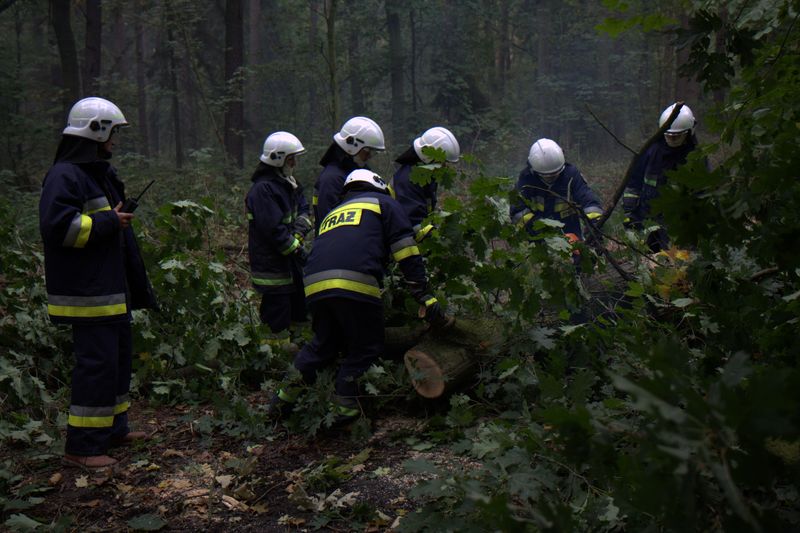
[[131, 204]]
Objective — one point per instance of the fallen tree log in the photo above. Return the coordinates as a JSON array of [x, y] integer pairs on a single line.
[[445, 359]]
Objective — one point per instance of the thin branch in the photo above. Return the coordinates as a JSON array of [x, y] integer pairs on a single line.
[[628, 148]]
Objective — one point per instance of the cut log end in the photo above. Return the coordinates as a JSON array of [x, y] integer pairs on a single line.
[[426, 375]]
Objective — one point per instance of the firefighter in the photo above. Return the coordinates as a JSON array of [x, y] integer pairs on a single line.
[[94, 276], [344, 278], [278, 221], [548, 187], [649, 173], [352, 147], [417, 200]]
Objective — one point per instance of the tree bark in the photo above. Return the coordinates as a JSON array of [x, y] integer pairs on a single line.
[[412, 23], [141, 82], [93, 47], [313, 37], [234, 61], [330, 23], [446, 359], [254, 56], [396, 68], [354, 60], [176, 110], [60, 13]]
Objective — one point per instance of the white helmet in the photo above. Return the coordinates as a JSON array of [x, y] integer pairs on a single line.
[[438, 137], [683, 122], [278, 146], [94, 118], [359, 132], [366, 176], [546, 157]]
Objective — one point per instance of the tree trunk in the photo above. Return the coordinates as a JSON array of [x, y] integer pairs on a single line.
[[330, 22], [396, 68], [94, 43], [413, 66], [354, 60], [234, 61], [255, 55], [313, 30], [502, 56], [446, 359], [60, 11], [176, 111], [141, 82]]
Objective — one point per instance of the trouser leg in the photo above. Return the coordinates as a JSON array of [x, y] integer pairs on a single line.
[[328, 340], [122, 400], [275, 311], [94, 388], [363, 329]]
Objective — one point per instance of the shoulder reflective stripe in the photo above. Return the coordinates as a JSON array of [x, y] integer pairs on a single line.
[[403, 253], [96, 204], [369, 206], [402, 243], [593, 215], [314, 200], [291, 248], [78, 231], [362, 199], [86, 306], [339, 273], [345, 284], [430, 301], [518, 218], [90, 417]]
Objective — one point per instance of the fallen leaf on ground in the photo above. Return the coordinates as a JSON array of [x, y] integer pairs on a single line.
[[224, 481], [82, 481], [55, 479]]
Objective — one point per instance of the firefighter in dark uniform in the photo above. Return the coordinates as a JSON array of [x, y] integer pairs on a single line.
[[278, 221], [546, 189], [344, 278], [352, 147], [649, 173], [95, 276], [419, 201]]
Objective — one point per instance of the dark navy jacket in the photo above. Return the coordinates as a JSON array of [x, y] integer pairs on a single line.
[[418, 201], [649, 175], [328, 188], [278, 219], [549, 200], [355, 242], [94, 272]]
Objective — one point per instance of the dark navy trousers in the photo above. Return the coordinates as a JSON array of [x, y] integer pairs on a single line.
[[100, 383], [346, 327]]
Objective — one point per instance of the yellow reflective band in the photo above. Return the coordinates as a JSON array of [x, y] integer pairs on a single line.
[[88, 311], [630, 195], [121, 407], [106, 208], [291, 248], [430, 301], [391, 191], [593, 216], [249, 216], [314, 200], [345, 284], [83, 233], [90, 421], [421, 234], [525, 219], [408, 251]]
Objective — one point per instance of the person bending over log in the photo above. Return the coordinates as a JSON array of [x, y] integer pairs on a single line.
[[343, 282]]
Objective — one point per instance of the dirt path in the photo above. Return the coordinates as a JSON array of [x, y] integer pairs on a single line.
[[183, 480]]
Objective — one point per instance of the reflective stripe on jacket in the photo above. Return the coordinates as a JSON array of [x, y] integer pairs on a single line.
[[355, 242]]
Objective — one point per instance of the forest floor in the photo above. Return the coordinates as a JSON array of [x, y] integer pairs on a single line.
[[182, 480]]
